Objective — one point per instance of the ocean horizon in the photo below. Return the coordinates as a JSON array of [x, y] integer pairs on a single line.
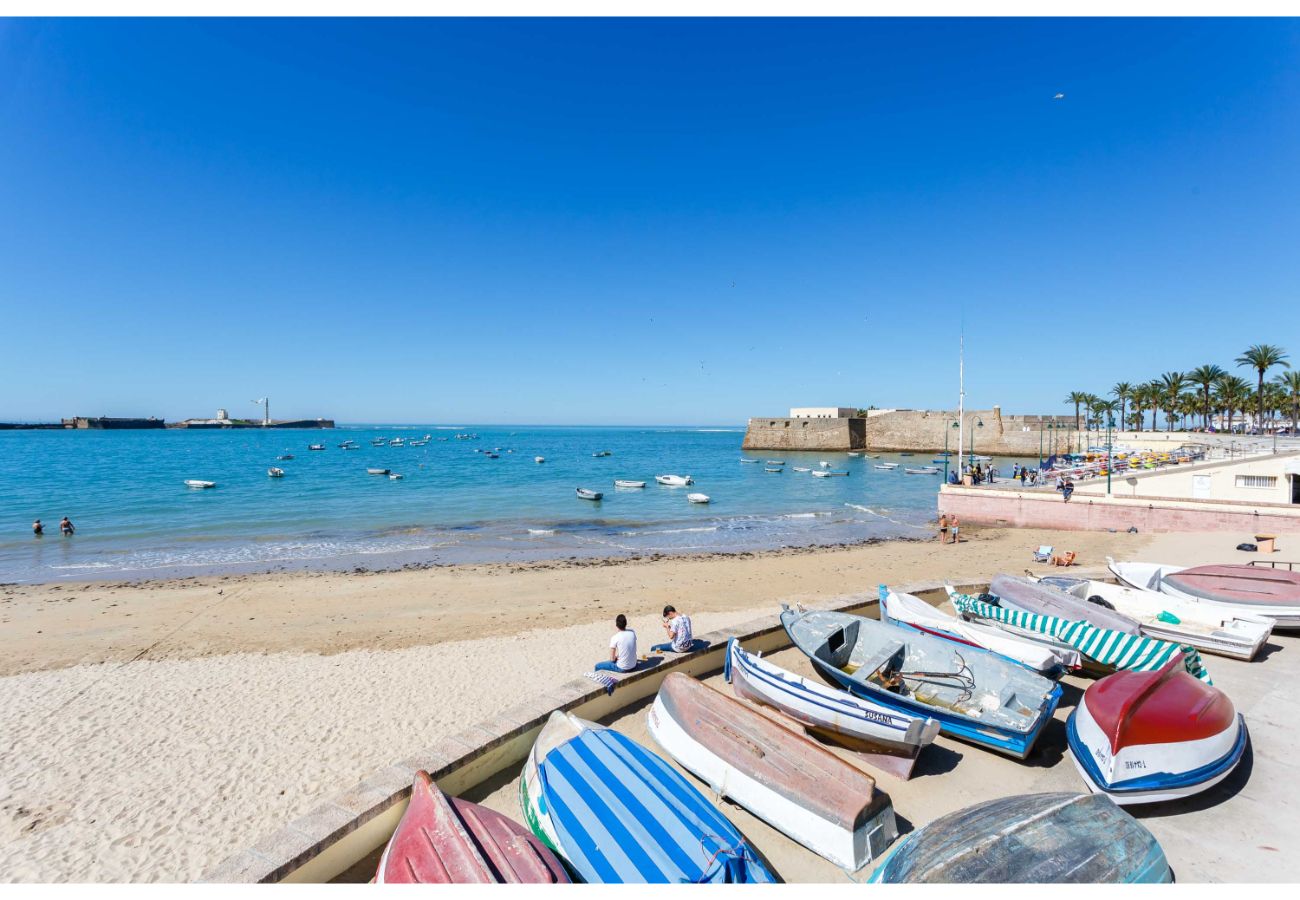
[[135, 518]]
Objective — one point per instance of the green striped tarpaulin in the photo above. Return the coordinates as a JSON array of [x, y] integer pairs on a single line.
[[1111, 648]]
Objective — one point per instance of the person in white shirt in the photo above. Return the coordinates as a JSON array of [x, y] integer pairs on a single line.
[[678, 628], [622, 649]]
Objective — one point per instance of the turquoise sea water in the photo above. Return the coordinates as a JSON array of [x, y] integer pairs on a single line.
[[124, 492]]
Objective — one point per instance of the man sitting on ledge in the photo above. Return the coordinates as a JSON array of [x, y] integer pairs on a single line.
[[622, 651], [678, 628]]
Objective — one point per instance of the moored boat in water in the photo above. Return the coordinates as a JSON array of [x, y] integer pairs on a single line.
[[975, 695], [377, 471], [447, 840], [199, 483], [583, 782], [628, 483], [783, 778], [674, 480], [697, 498], [1029, 839], [890, 739], [588, 494], [1147, 737], [275, 472]]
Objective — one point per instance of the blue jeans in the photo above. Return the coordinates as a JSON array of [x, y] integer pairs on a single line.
[[611, 666], [696, 644]]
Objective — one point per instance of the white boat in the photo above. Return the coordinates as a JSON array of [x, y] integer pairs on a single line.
[[1205, 626], [747, 460], [923, 470], [315, 446], [539, 459], [588, 494], [275, 472], [624, 483], [913, 612], [827, 473], [891, 739], [674, 480], [774, 462], [854, 453], [884, 465], [824, 464], [802, 469], [393, 476], [396, 442], [377, 471], [1156, 577], [698, 498], [799, 787], [776, 469], [196, 483]]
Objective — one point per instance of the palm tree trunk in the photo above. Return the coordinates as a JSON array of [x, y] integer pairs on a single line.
[[1259, 402], [1205, 406]]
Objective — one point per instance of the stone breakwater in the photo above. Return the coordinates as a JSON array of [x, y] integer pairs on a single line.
[[916, 430]]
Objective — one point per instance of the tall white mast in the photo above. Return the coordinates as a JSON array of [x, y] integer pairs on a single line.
[[961, 400]]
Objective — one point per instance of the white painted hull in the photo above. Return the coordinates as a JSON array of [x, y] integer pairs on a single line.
[[1174, 759], [674, 480], [839, 715], [847, 849], [1150, 576], [1209, 627], [907, 609]]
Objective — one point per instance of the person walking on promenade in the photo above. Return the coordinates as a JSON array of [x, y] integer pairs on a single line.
[[65, 527], [1023, 473], [943, 528], [1067, 490], [37, 528]]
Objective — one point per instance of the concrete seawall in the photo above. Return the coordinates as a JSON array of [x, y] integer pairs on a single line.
[[1046, 509]]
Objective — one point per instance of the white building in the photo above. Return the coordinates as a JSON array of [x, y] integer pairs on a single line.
[[822, 412]]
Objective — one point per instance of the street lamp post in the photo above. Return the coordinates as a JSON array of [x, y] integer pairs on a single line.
[[979, 423], [1110, 452], [947, 425]]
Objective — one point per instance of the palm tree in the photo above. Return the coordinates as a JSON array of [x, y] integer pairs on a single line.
[[1289, 382], [1078, 398], [1123, 392], [1231, 391], [1261, 358], [1171, 385], [1205, 376]]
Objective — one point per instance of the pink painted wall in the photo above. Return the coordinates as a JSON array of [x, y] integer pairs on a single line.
[[1086, 514]]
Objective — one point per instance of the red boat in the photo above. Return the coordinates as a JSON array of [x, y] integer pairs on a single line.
[[1238, 584], [1145, 737], [446, 840]]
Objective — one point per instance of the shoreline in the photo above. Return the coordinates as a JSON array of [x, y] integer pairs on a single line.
[[55, 625]]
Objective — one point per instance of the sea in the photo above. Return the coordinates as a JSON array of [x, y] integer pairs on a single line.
[[135, 518]]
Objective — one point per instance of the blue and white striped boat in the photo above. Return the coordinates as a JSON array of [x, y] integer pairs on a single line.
[[892, 739], [617, 813], [974, 694]]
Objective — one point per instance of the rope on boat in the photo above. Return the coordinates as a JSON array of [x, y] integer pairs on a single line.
[[964, 679]]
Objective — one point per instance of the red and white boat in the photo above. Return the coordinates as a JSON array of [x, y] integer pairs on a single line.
[[446, 840], [1272, 593], [1147, 737]]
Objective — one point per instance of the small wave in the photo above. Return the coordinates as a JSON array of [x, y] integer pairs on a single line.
[[695, 530], [541, 531]]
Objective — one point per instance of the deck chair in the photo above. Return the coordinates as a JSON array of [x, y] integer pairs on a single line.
[[1043, 554]]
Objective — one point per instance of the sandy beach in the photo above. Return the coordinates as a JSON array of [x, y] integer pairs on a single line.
[[152, 729]]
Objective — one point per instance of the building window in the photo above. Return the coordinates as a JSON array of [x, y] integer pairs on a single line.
[[1256, 481]]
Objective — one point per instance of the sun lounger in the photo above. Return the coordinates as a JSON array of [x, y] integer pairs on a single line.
[[1043, 554]]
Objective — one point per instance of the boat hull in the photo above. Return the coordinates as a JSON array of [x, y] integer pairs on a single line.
[[1148, 737], [1029, 839], [783, 778], [617, 813], [1012, 742], [1154, 577], [446, 840], [892, 739]]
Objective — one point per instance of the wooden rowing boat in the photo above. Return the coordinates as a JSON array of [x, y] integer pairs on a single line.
[[787, 780]]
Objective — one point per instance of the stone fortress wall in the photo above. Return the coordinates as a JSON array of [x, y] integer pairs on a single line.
[[916, 430]]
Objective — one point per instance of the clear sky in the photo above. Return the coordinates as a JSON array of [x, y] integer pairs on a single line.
[[629, 221]]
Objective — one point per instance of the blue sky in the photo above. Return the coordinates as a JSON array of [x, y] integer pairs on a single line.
[[632, 221]]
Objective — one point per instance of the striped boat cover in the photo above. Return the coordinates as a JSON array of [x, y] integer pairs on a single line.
[[623, 815], [1113, 648]]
